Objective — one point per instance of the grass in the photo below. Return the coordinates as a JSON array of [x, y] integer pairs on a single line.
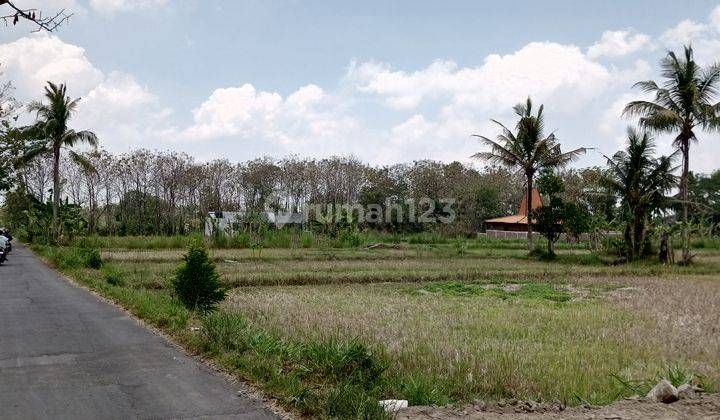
[[328, 331], [293, 239], [467, 345], [542, 291]]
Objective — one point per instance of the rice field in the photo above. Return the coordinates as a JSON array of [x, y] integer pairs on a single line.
[[453, 323]]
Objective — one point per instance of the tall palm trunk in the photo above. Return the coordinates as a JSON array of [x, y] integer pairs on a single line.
[[685, 148], [528, 211], [56, 188]]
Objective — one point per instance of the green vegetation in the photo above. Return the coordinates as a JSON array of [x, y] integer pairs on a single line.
[[642, 182], [542, 291], [683, 105], [330, 331], [197, 283], [334, 316], [527, 150], [50, 135]]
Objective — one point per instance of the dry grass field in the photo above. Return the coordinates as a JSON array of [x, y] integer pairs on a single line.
[[453, 324]]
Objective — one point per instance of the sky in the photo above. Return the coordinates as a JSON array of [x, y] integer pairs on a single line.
[[386, 81]]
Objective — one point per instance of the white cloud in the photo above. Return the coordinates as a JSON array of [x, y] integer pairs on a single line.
[[115, 6], [121, 90], [427, 112], [704, 37], [228, 110], [307, 119], [31, 61], [684, 32], [122, 112], [539, 69], [618, 44]]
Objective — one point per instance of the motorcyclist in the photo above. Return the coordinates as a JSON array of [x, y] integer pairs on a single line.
[[4, 243], [8, 244]]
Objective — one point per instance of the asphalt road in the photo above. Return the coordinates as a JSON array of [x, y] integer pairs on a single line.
[[65, 354]]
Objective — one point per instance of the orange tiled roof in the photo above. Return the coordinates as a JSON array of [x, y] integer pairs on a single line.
[[522, 217], [518, 218]]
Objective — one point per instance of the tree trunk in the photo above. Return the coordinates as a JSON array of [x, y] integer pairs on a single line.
[[551, 246], [685, 148], [630, 240], [638, 236], [56, 190], [529, 210]]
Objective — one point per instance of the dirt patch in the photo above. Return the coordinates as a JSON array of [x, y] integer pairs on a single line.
[[703, 407]]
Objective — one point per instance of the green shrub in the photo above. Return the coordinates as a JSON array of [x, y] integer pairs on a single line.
[[348, 401], [225, 331], [349, 239], [220, 240], [72, 258], [197, 283], [241, 240], [307, 239], [113, 277], [93, 259], [349, 362], [423, 390]]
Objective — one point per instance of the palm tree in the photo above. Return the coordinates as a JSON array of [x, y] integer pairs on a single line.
[[681, 105], [528, 150], [52, 134], [640, 182]]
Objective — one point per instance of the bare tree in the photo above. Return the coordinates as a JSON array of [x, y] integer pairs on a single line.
[[48, 22]]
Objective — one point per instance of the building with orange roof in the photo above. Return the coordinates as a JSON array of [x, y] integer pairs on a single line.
[[517, 222]]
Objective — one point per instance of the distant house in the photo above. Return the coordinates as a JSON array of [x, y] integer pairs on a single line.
[[512, 226], [231, 222]]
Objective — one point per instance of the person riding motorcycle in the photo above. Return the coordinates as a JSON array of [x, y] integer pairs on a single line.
[[4, 247], [8, 243]]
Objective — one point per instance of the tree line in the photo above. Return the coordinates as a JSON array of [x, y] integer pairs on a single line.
[[150, 192]]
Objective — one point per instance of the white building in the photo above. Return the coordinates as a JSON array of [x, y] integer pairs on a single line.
[[231, 222]]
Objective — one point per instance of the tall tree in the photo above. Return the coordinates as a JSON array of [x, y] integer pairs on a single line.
[[685, 102], [528, 149], [640, 182], [9, 145], [52, 135]]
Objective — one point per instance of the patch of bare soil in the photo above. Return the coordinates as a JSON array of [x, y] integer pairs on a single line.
[[702, 407]]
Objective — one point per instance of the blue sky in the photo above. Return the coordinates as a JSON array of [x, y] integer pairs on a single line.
[[387, 81]]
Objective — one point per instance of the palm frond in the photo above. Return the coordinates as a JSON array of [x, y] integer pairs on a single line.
[[647, 86], [31, 154], [82, 162]]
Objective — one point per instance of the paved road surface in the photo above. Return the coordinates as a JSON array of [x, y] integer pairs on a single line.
[[65, 354]]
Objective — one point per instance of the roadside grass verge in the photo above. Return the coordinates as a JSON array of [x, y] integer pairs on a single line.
[[326, 379]]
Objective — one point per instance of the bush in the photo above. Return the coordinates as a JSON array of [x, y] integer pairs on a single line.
[[224, 331], [197, 283], [93, 259], [307, 239], [114, 277], [71, 258]]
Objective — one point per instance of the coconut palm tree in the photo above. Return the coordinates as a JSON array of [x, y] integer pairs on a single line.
[[528, 149], [685, 102], [640, 182], [52, 135]]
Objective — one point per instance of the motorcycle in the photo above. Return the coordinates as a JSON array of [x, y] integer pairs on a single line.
[[8, 244], [2, 256]]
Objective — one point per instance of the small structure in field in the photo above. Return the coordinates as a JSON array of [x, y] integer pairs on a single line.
[[514, 226], [230, 222]]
